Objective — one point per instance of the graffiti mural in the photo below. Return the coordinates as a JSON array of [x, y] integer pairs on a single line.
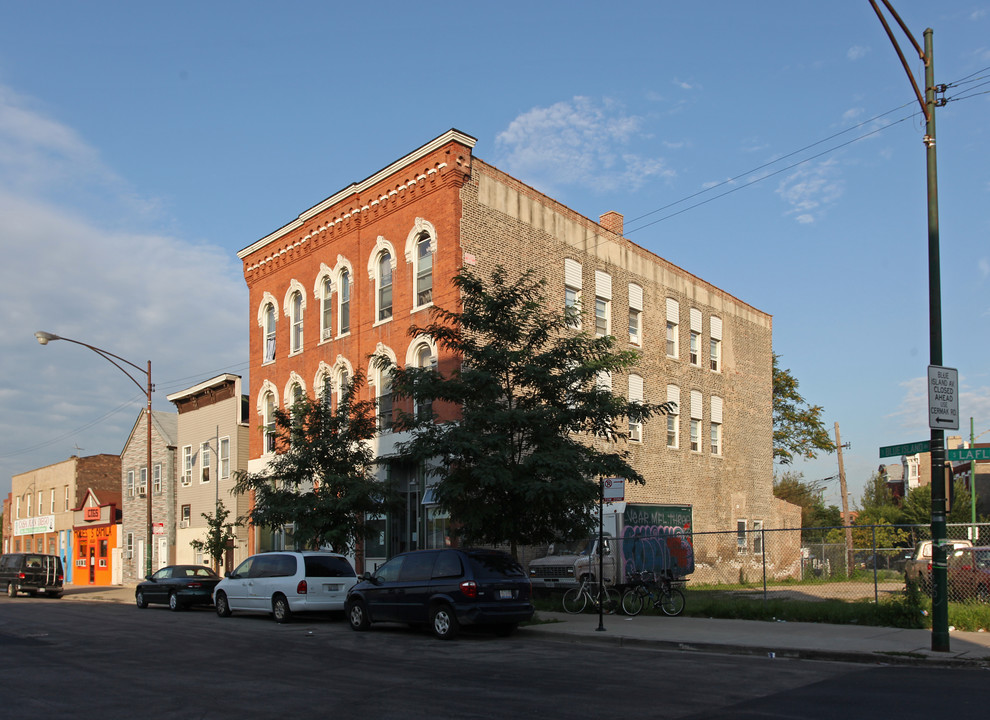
[[657, 539]]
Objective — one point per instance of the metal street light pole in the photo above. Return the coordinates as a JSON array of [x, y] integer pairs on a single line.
[[45, 337]]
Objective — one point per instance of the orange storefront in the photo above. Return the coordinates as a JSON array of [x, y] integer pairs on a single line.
[[95, 536]]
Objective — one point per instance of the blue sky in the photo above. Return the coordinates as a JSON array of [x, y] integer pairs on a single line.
[[772, 148]]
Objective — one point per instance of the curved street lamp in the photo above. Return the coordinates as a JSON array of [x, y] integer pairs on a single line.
[[45, 337]]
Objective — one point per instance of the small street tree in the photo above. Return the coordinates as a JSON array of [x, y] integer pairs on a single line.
[[816, 518], [321, 478], [798, 429], [539, 423], [218, 532]]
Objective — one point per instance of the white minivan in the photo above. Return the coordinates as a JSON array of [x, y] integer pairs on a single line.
[[282, 583]]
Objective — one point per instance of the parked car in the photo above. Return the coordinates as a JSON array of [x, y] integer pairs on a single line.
[[919, 568], [177, 586], [32, 573], [969, 574], [444, 589], [283, 583]]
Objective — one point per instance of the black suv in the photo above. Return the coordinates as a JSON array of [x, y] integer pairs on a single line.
[[32, 573], [445, 589]]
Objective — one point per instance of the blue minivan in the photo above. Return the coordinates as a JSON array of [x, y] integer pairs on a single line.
[[444, 589]]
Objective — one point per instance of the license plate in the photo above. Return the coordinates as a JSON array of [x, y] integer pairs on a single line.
[[505, 594], [332, 588]]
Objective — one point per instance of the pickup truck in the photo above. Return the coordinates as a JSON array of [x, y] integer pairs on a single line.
[[919, 568]]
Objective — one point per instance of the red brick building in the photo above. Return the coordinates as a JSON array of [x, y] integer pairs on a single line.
[[347, 278]]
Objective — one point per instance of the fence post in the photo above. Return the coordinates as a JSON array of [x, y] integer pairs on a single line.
[[876, 590]]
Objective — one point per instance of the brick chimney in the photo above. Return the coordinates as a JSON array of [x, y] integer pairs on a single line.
[[611, 221]]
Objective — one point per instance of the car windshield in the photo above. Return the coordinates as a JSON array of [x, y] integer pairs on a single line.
[[494, 565], [583, 546]]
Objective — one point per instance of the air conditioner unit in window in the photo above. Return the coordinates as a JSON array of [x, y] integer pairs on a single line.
[[183, 523], [128, 554]]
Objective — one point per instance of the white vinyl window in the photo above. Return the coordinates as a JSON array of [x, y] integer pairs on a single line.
[[344, 300], [673, 313], [383, 278], [156, 479], [603, 304], [187, 465], [52, 504], [66, 490], [296, 308], [757, 537], [715, 344], [326, 309], [635, 314], [572, 293], [268, 421], [696, 421], [694, 350], [741, 536], [269, 329], [130, 483], [143, 484], [204, 462], [224, 458], [424, 270], [673, 434], [636, 396], [716, 425]]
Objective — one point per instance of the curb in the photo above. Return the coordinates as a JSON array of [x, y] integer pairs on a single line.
[[871, 658]]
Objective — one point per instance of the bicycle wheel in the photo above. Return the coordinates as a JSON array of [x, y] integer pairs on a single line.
[[672, 602], [610, 600], [632, 601], [574, 600]]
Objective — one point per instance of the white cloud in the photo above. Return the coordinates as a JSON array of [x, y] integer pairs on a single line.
[[857, 52], [83, 264], [578, 142], [685, 85], [810, 189]]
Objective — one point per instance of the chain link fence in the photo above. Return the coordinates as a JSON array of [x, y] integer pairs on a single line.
[[860, 562]]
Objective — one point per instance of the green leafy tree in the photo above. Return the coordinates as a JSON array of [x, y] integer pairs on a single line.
[[538, 426], [917, 507], [218, 532], [816, 517], [321, 478], [798, 429]]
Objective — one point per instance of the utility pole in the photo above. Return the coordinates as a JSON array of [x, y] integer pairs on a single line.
[[846, 520], [928, 103]]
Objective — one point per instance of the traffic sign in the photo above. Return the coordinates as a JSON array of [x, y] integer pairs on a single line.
[[943, 398], [968, 454], [905, 449], [613, 489]]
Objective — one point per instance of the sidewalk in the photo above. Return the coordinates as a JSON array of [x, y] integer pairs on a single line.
[[848, 643]]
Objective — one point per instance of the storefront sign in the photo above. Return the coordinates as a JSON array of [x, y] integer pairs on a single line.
[[92, 513], [35, 525]]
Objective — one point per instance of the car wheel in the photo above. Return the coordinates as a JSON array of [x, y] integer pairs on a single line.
[[280, 609], [223, 607], [139, 599], [173, 602], [443, 622], [11, 590], [357, 616]]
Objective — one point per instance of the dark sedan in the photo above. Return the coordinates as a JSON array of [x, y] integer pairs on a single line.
[[178, 586]]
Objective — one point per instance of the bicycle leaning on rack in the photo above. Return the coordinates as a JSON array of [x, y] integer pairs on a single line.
[[646, 587], [591, 591]]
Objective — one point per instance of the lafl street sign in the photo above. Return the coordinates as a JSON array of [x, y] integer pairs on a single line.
[[968, 454]]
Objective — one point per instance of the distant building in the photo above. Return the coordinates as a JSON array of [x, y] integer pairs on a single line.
[[212, 441], [133, 484], [348, 277], [43, 502]]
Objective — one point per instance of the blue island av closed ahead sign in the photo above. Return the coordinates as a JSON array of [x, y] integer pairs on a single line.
[[943, 398]]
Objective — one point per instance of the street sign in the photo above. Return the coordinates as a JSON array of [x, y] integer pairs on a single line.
[[943, 398], [968, 454], [613, 489], [905, 449]]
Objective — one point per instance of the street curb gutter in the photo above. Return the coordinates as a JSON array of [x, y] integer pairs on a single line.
[[874, 658]]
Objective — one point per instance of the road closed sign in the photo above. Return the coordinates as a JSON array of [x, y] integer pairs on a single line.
[[943, 398]]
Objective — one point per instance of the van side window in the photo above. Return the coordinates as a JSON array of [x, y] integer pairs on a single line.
[[418, 567], [389, 572], [448, 565], [284, 566]]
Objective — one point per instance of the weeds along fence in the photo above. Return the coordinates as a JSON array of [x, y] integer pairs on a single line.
[[816, 564]]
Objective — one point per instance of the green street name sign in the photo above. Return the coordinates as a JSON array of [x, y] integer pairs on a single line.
[[905, 449], [968, 454]]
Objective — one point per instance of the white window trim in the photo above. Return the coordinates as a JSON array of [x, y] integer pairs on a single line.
[[224, 459], [343, 265], [295, 347], [636, 393], [187, 465], [573, 280], [375, 375], [130, 485], [672, 329], [204, 462], [674, 396], [288, 400], [325, 299], [156, 479], [266, 387]]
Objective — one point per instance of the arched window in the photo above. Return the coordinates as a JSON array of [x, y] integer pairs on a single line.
[[268, 421], [424, 358], [424, 270], [326, 310], [296, 303], [384, 279], [344, 311], [269, 329]]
